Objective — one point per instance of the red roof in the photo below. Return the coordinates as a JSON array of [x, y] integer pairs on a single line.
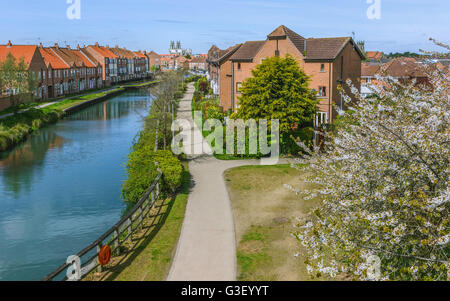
[[51, 58], [18, 51], [140, 54], [368, 69], [374, 54], [103, 51], [87, 62]]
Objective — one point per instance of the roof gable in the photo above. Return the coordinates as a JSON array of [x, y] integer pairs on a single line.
[[328, 48], [247, 51], [25, 52]]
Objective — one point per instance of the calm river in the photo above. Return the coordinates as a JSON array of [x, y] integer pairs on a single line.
[[60, 189]]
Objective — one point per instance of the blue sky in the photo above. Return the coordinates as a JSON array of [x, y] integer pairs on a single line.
[[405, 25]]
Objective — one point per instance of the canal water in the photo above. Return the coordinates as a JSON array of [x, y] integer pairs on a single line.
[[60, 189]]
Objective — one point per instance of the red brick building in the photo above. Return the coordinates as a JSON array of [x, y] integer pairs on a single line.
[[153, 59], [35, 62], [141, 64], [328, 61], [108, 61]]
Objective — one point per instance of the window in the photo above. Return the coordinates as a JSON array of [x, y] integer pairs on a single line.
[[238, 87], [322, 67], [239, 66], [321, 118], [369, 80], [322, 91]]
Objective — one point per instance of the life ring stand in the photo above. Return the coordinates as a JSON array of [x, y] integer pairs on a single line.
[[104, 255]]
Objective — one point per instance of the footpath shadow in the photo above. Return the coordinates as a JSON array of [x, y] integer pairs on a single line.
[[153, 223]]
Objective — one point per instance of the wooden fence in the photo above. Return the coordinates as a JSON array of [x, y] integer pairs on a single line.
[[114, 237]]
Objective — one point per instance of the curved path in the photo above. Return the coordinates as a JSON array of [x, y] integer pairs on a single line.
[[206, 249]]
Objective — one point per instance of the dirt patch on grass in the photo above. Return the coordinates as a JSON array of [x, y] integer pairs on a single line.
[[265, 214]]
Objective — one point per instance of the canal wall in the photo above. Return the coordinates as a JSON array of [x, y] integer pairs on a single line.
[[88, 103], [91, 102]]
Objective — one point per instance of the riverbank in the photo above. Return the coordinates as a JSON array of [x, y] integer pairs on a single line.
[[60, 188], [15, 128], [149, 256]]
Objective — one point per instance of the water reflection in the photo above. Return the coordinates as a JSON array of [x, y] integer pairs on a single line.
[[112, 110], [20, 166], [60, 189]]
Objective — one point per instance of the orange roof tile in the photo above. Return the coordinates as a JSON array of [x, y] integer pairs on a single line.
[[51, 58], [18, 51]]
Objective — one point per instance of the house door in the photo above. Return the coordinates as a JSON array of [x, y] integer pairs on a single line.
[[50, 92]]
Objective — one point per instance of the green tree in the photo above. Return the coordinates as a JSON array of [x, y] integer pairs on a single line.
[[278, 90], [15, 77], [188, 56]]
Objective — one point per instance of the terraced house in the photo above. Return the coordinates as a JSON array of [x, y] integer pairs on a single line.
[[70, 70], [328, 61], [108, 61], [141, 64], [35, 62]]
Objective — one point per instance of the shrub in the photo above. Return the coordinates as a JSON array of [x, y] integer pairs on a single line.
[[171, 168], [15, 128], [141, 171]]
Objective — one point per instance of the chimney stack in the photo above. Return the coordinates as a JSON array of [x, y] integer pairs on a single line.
[[9, 44], [40, 45], [56, 46], [96, 44]]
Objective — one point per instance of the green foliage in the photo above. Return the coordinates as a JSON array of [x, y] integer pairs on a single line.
[[155, 68], [278, 90], [14, 129], [203, 85], [171, 168], [141, 171], [193, 78], [141, 165], [14, 76]]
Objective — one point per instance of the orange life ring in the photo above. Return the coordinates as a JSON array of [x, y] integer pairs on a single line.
[[104, 255]]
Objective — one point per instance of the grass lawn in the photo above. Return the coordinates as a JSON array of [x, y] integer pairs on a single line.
[[264, 214], [70, 102], [149, 255]]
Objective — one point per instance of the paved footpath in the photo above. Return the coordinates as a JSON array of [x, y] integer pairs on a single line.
[[206, 249]]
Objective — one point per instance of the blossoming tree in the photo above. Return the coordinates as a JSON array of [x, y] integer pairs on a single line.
[[383, 179]]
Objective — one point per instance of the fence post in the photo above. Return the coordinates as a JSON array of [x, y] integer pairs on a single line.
[[129, 228], [157, 189], [99, 268], [117, 243], [141, 212]]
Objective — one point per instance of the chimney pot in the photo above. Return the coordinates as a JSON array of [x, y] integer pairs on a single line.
[[9, 44]]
